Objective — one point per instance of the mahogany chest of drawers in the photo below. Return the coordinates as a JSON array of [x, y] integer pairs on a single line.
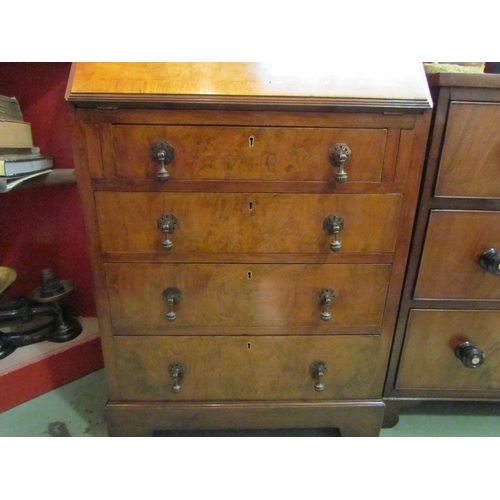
[[248, 226], [447, 343]]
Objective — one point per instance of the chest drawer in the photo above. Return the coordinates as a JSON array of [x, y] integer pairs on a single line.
[[450, 266], [250, 295], [248, 222], [429, 361], [245, 368], [244, 153], [470, 161]]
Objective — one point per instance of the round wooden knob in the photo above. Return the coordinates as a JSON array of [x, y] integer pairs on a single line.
[[490, 260], [469, 354]]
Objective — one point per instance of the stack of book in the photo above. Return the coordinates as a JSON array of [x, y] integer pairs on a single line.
[[20, 160]]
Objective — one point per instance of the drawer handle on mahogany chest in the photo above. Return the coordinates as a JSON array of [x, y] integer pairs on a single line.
[[333, 224], [469, 354], [490, 260], [177, 371], [317, 370], [172, 296], [325, 298], [168, 224], [340, 155], [162, 153]]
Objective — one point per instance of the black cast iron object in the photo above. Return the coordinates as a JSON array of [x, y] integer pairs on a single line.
[[30, 320]]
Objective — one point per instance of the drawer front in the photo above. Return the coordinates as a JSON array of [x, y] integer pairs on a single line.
[[428, 358], [250, 295], [470, 161], [266, 153], [246, 368], [454, 243], [248, 223]]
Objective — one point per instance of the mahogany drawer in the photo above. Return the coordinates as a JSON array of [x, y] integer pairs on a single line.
[[428, 358], [470, 160], [205, 152], [245, 295], [454, 243], [246, 222], [246, 368]]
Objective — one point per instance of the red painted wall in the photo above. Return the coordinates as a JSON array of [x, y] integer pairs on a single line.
[[43, 227]]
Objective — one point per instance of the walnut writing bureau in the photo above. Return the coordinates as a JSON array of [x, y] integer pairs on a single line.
[[248, 226]]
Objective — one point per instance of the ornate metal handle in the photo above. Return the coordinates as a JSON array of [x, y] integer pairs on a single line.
[[333, 224], [469, 354], [325, 297], [172, 296], [167, 223], [339, 156], [162, 153], [490, 260], [177, 371], [317, 370]]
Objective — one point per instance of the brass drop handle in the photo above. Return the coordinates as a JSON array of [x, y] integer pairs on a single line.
[[317, 370], [333, 224], [340, 155], [163, 153], [167, 224], [469, 354], [177, 372], [490, 260], [325, 298], [172, 296]]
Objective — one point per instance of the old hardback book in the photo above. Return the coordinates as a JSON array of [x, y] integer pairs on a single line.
[[20, 165], [15, 134]]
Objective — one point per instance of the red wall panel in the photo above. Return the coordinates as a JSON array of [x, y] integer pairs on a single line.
[[43, 227]]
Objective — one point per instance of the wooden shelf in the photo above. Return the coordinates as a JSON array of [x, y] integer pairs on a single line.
[[35, 369], [57, 176]]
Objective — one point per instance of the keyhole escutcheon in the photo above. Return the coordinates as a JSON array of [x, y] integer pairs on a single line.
[[251, 141]]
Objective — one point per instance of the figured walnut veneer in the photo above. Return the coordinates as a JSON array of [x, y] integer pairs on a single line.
[[225, 324]]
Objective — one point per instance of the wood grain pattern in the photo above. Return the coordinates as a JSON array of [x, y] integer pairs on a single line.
[[470, 162], [428, 360], [246, 368], [202, 82], [245, 118], [454, 243], [250, 254], [353, 418], [218, 295], [246, 223], [214, 153]]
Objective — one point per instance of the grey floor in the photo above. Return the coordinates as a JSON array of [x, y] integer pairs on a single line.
[[77, 410]]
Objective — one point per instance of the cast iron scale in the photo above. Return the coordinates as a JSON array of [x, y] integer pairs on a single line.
[[36, 318]]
